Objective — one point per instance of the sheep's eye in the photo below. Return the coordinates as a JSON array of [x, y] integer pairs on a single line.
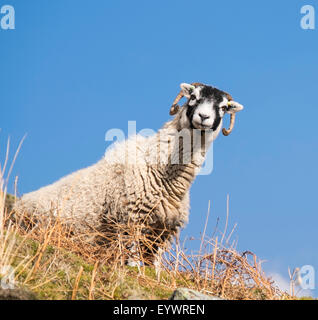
[[224, 108], [193, 97]]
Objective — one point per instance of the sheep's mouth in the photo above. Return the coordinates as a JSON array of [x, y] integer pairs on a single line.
[[201, 126]]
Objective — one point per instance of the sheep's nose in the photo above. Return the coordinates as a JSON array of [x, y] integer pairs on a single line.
[[203, 116]]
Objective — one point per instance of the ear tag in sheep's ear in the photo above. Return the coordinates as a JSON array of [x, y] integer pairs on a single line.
[[234, 107], [187, 89]]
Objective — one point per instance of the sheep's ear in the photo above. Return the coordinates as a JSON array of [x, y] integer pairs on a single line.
[[187, 89], [234, 107]]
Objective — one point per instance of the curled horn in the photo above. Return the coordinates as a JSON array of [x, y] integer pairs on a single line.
[[175, 107], [238, 106], [226, 132]]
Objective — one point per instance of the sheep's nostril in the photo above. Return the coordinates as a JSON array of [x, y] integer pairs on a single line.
[[203, 116]]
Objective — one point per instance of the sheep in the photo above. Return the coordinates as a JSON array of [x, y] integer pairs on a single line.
[[141, 177]]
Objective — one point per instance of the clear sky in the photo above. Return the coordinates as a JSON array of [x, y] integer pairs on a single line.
[[73, 69]]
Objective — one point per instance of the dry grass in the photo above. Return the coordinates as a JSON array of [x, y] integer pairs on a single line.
[[54, 264]]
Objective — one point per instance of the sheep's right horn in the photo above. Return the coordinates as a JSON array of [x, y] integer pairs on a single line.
[[175, 107]]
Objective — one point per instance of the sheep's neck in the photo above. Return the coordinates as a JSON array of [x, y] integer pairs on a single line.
[[184, 163]]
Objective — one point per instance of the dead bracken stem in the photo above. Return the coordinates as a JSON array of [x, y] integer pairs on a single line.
[[77, 280], [92, 286]]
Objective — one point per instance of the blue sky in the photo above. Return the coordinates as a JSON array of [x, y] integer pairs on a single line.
[[71, 70]]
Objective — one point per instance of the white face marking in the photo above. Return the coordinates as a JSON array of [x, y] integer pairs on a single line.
[[197, 93], [192, 102], [205, 114]]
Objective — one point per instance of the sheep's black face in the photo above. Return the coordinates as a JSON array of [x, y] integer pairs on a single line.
[[205, 107]]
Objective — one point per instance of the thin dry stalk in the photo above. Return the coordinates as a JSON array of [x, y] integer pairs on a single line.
[[92, 284], [77, 280], [214, 257]]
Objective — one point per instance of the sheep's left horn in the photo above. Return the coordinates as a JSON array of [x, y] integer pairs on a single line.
[[235, 107], [226, 132]]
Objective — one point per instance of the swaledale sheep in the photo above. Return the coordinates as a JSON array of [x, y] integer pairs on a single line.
[[142, 177]]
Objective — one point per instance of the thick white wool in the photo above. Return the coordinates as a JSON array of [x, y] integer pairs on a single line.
[[137, 177]]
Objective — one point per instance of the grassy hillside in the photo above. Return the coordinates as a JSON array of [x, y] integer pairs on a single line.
[[56, 273], [54, 265]]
